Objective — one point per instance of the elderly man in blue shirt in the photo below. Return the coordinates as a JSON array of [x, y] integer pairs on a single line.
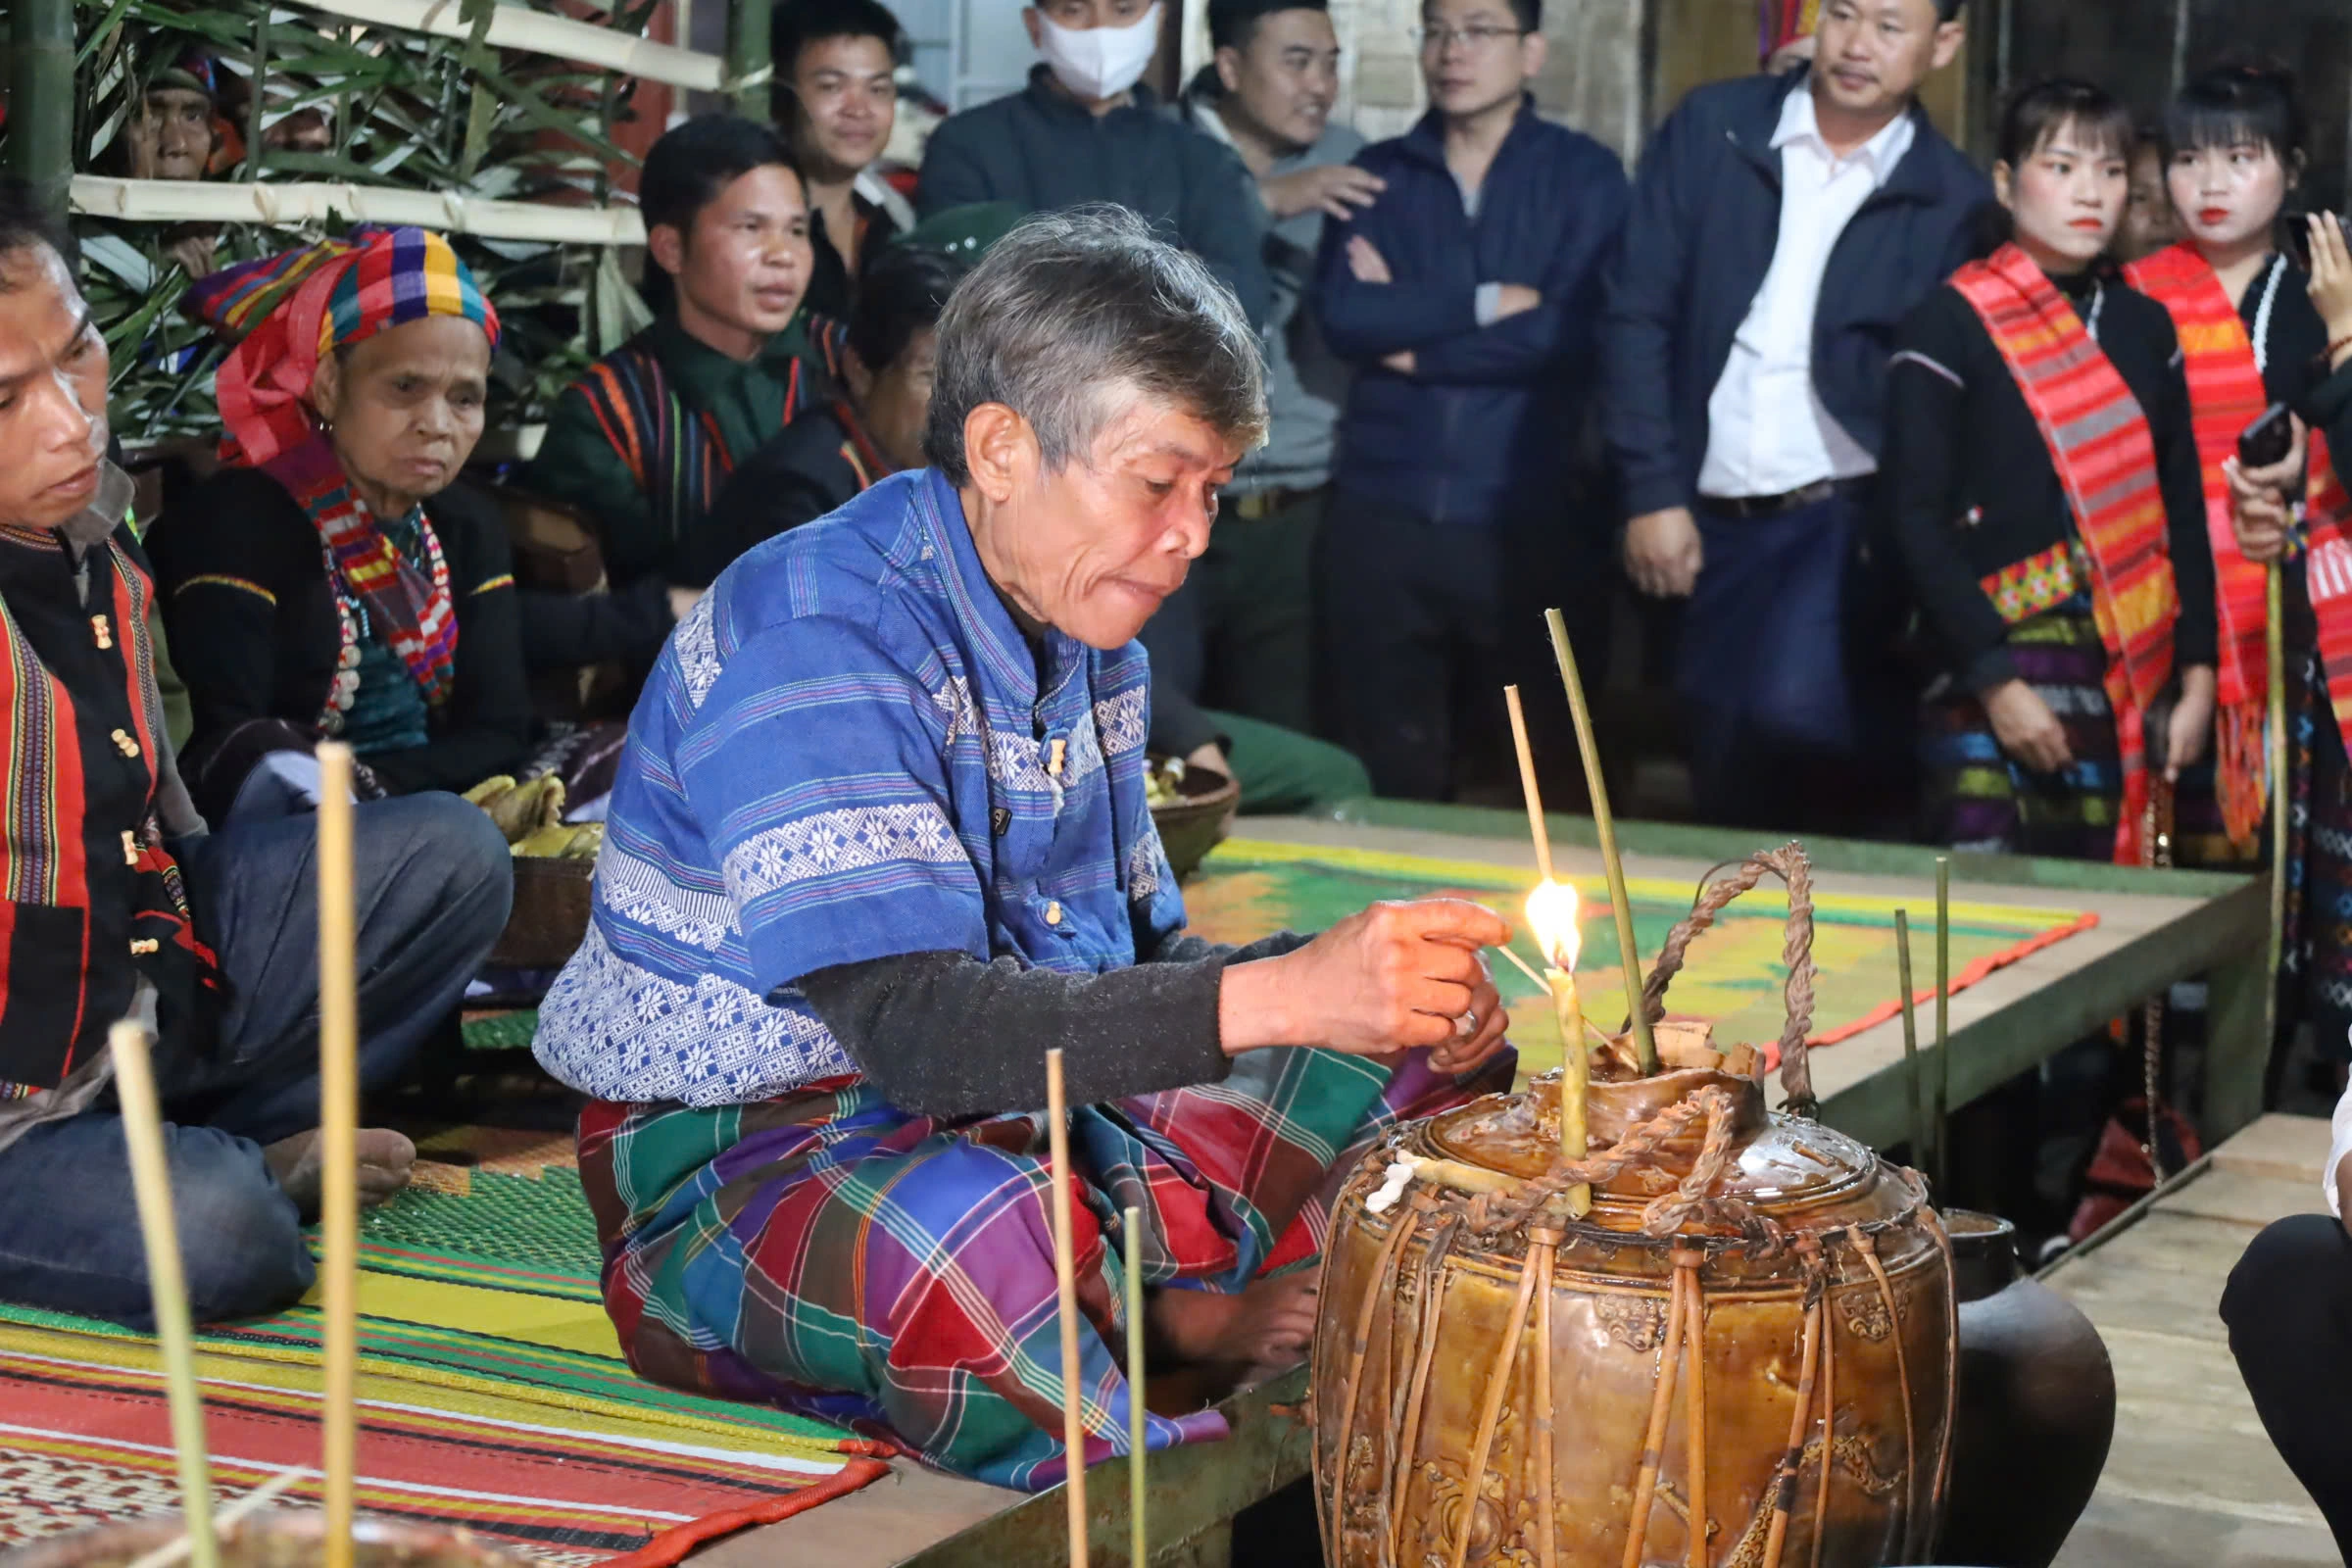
[[880, 839]]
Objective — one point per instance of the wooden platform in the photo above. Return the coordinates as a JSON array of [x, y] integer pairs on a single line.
[[2192, 1480]]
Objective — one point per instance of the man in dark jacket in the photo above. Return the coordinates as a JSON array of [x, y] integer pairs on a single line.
[[1780, 229], [1465, 296], [1085, 130]]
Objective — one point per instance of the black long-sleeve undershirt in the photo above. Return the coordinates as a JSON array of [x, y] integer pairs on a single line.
[[943, 1034]]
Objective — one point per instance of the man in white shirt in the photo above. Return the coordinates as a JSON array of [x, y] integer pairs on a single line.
[[1781, 227]]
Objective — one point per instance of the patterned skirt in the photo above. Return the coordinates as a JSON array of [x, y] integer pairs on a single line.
[[827, 1254], [2316, 978], [1980, 798]]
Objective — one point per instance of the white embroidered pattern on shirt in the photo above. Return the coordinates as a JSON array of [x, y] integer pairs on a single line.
[[1121, 719], [619, 1031], [697, 642], [639, 891], [1144, 861], [955, 709], [850, 839]]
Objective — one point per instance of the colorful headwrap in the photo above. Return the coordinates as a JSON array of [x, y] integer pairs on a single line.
[[194, 70], [1783, 22], [286, 313]]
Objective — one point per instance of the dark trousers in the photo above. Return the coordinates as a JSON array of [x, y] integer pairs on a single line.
[[1238, 636], [1793, 719], [1420, 625], [432, 881], [2288, 1306]]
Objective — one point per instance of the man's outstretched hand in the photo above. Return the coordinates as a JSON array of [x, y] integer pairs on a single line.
[[1396, 976]]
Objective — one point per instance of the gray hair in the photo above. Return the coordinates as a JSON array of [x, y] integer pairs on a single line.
[[1071, 306]]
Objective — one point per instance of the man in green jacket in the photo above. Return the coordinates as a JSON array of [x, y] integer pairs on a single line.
[[642, 442]]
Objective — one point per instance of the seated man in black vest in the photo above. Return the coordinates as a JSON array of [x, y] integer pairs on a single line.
[[117, 904]]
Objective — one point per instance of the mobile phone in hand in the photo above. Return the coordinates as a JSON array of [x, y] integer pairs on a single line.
[[2294, 235], [2268, 440]]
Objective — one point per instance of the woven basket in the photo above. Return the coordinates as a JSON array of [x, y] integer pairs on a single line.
[[550, 918], [1198, 823]]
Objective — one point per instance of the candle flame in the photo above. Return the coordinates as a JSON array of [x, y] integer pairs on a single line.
[[1552, 914]]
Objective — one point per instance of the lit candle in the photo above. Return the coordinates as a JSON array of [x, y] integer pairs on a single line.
[[1551, 916]]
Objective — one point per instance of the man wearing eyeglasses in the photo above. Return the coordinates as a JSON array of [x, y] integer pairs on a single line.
[[1782, 227], [1465, 296]]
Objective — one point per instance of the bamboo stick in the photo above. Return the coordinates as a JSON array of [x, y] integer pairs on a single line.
[[2275, 650], [166, 1283], [1576, 1077], [1943, 1019], [1646, 1049], [1902, 967], [1138, 1550], [1526, 968], [338, 1146], [1065, 1278], [1527, 782]]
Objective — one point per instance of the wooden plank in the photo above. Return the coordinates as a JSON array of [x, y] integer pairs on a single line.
[[884, 1523], [2244, 1200], [2165, 1275], [2288, 1147], [519, 27], [2123, 1531]]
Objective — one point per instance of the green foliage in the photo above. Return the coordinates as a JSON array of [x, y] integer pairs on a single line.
[[407, 111]]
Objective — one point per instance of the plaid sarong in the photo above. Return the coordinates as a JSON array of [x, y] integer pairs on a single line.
[[828, 1253]]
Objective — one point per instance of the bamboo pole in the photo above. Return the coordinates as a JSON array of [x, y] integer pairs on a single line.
[[1902, 966], [1646, 1049], [2275, 649], [41, 97], [1943, 1019], [258, 103], [166, 1283], [338, 1145], [1065, 1278], [1139, 1552], [750, 65], [1527, 783]]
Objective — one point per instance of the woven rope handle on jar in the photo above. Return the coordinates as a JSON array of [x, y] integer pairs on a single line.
[[1789, 865]]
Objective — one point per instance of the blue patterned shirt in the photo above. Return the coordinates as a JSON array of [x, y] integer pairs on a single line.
[[850, 751]]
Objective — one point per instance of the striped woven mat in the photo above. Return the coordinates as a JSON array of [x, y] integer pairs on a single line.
[[492, 1389]]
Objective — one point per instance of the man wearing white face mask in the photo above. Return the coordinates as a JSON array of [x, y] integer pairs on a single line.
[[1085, 130]]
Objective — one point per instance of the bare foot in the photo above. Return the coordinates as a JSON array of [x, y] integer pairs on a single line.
[[1266, 1329], [386, 1160]]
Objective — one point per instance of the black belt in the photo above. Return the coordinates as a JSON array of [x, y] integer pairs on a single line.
[[1813, 494], [1259, 505]]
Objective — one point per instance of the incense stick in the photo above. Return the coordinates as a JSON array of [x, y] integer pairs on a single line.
[[1646, 1049], [1527, 782], [1526, 968], [1944, 1018], [338, 1146], [1065, 1277], [166, 1283], [1138, 1551], [1902, 967]]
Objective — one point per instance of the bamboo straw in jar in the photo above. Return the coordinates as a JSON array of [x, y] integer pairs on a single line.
[[1065, 1277], [1943, 1019], [166, 1283], [1527, 783], [338, 1146], [1911, 1079], [1645, 1049]]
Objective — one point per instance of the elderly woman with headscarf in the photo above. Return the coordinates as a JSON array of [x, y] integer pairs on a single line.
[[880, 840], [333, 580]]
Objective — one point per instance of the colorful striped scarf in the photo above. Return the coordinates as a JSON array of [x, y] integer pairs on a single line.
[[2105, 456], [2227, 394], [410, 606]]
